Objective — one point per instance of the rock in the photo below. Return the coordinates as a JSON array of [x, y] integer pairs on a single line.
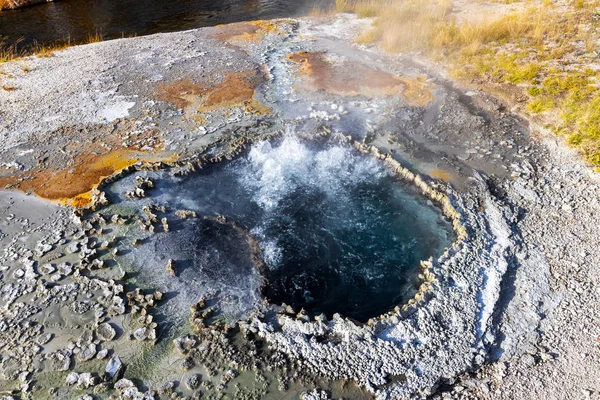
[[19, 273], [187, 364], [47, 269], [113, 367], [166, 388], [72, 248], [44, 339], [184, 344], [123, 384], [193, 381], [61, 360], [42, 248], [87, 353], [65, 269], [106, 332], [30, 273], [102, 354], [86, 380], [141, 333], [316, 394], [171, 268], [72, 378]]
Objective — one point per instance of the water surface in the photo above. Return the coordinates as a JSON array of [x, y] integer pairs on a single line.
[[76, 19]]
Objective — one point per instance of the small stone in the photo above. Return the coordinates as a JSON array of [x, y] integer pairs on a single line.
[[102, 354], [87, 353], [141, 333], [106, 332], [171, 268], [113, 367], [193, 381], [72, 378]]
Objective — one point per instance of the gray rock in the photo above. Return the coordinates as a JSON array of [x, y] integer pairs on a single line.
[[102, 354], [87, 353], [106, 332], [141, 333], [193, 381], [113, 367], [72, 378], [166, 388]]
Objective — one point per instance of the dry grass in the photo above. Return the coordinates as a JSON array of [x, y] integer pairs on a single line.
[[15, 52], [543, 51], [7, 4]]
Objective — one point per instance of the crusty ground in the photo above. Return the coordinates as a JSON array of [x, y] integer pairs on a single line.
[[353, 79]]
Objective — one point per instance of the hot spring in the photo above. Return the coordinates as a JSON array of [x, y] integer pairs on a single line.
[[337, 232]]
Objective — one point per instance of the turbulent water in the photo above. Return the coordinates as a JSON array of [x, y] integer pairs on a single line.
[[76, 19], [337, 231]]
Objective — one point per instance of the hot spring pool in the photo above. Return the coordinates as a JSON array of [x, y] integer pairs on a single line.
[[337, 231]]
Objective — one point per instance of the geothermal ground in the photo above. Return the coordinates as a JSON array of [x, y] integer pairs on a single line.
[[148, 181]]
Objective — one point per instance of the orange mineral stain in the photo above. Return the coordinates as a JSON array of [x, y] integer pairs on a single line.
[[198, 99], [73, 185], [356, 79], [440, 174], [245, 32]]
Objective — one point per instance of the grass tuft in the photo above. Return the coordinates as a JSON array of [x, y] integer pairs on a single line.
[[13, 52]]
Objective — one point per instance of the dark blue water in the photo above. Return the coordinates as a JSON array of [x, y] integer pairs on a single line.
[[338, 232], [76, 19]]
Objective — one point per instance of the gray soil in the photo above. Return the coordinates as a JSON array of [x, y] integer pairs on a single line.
[[509, 311]]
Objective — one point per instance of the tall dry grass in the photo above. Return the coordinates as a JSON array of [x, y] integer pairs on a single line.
[[403, 25], [543, 49], [7, 4], [14, 51]]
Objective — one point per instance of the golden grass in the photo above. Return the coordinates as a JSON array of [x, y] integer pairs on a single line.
[[541, 50], [14, 52], [7, 4]]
